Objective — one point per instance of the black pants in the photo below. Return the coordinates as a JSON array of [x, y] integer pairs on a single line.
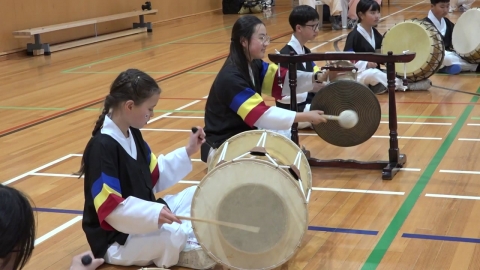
[[300, 106], [204, 150]]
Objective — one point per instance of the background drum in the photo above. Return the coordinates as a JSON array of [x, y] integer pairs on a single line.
[[465, 37], [420, 37], [279, 150], [255, 193]]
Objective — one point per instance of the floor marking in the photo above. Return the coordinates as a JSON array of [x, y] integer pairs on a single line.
[[452, 196], [57, 230], [459, 171]]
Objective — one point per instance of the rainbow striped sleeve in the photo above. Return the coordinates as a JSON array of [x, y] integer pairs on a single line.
[[269, 79], [153, 166], [249, 105], [106, 194]]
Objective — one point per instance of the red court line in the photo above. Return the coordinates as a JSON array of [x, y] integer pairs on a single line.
[[95, 101]]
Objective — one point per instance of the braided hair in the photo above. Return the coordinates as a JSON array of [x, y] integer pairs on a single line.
[[131, 84]]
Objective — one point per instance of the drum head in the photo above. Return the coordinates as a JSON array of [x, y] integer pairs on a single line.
[[465, 37], [347, 95], [280, 148], [421, 38], [254, 193]]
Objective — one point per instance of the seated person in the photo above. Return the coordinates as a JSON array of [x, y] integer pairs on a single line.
[[366, 38], [352, 12], [452, 62], [304, 22], [235, 103]]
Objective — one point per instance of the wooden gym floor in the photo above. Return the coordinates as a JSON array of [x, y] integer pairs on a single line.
[[425, 218]]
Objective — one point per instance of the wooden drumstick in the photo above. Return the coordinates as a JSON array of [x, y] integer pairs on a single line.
[[223, 223]]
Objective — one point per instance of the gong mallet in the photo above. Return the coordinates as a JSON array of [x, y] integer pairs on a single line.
[[347, 119], [223, 223]]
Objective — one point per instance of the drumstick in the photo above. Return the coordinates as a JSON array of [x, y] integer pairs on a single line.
[[194, 130], [223, 223]]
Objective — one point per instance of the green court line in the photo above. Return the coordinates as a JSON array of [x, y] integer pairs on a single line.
[[475, 118], [153, 47], [395, 225]]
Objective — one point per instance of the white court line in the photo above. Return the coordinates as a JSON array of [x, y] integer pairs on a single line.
[[469, 139], [302, 134], [196, 182], [471, 124], [36, 170], [359, 191], [57, 230], [452, 196], [457, 171], [177, 109]]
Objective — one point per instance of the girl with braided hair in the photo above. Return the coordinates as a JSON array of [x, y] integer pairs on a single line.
[[123, 221]]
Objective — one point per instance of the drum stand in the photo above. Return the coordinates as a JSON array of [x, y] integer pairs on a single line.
[[396, 160]]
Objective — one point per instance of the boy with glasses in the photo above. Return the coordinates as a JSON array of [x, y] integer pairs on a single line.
[[304, 21]]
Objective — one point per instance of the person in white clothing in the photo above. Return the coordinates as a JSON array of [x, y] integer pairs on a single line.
[[452, 62], [305, 25], [365, 38], [124, 222]]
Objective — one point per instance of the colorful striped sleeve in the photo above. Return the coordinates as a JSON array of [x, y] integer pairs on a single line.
[[107, 195], [153, 165], [249, 105], [269, 79]]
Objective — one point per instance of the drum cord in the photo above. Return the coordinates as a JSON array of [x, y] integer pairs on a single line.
[[454, 90]]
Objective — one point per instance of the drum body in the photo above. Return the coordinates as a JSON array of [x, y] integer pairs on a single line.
[[256, 193], [465, 37], [420, 37], [269, 146]]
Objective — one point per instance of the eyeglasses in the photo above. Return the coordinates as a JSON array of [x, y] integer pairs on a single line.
[[264, 39], [315, 27]]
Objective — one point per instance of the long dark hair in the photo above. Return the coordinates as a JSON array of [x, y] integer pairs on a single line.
[[17, 227], [131, 84], [243, 28], [364, 5]]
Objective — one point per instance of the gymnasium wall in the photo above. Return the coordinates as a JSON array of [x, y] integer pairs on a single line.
[[24, 14]]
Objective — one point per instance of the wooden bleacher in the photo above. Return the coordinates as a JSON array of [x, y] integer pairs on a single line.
[[39, 48]]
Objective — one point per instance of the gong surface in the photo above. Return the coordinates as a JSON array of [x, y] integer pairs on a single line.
[[347, 95]]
